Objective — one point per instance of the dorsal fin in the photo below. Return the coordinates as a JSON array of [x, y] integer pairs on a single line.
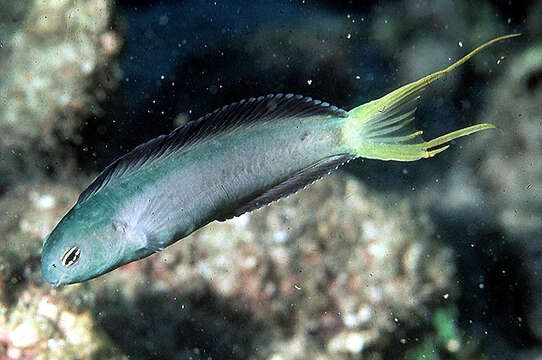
[[289, 186], [245, 112]]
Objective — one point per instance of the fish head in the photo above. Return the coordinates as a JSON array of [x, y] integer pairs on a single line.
[[82, 246]]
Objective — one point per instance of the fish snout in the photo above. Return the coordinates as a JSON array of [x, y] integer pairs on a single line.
[[51, 272]]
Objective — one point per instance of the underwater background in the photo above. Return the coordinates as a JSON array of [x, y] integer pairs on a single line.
[[435, 259]]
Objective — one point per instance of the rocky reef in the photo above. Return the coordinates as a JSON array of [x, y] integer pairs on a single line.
[[431, 260], [57, 64], [37, 322]]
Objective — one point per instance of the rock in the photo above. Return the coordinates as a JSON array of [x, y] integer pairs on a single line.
[[26, 332], [30, 213], [58, 63], [36, 321]]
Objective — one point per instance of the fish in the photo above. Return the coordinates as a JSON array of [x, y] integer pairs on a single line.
[[229, 162]]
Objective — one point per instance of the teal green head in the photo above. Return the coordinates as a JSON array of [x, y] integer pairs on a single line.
[[84, 245]]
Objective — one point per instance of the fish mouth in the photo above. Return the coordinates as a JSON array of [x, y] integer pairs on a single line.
[[59, 282]]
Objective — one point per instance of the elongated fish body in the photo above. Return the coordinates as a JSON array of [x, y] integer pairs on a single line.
[[224, 164], [221, 177]]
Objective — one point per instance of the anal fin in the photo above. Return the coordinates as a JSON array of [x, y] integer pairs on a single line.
[[288, 186]]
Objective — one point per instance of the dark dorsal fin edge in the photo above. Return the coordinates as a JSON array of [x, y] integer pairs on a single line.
[[289, 186], [230, 117]]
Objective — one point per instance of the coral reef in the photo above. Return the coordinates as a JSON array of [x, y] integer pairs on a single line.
[[339, 271], [42, 326], [29, 214], [36, 322], [57, 64]]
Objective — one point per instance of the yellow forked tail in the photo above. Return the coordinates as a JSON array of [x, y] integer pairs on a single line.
[[382, 129]]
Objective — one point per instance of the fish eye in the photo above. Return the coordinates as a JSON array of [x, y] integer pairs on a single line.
[[70, 256]]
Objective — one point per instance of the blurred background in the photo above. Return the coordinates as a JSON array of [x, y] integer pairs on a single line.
[[436, 259]]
